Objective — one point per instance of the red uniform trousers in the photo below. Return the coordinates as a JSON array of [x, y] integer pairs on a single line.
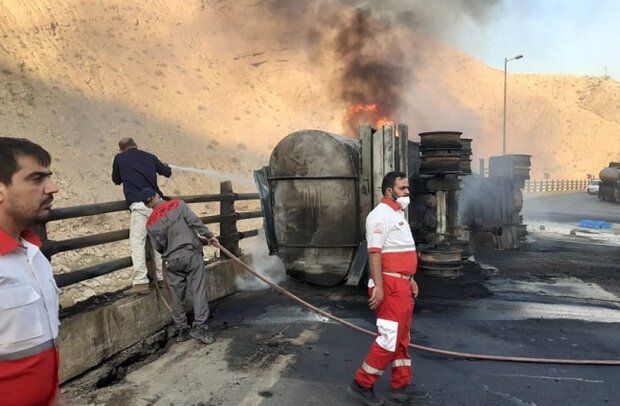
[[30, 381], [394, 324]]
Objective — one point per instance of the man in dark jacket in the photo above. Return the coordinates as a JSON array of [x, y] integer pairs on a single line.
[[138, 170], [178, 235]]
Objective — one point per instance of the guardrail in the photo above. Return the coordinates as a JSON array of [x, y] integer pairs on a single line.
[[553, 185], [228, 218]]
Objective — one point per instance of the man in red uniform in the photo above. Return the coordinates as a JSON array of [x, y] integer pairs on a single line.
[[392, 289], [28, 294]]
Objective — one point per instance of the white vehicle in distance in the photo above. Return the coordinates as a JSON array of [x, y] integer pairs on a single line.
[[592, 188]]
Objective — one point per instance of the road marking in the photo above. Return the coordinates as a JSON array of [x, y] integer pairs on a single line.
[[498, 309], [554, 378], [558, 287], [509, 397]]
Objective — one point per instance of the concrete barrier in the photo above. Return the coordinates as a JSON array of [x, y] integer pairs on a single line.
[[93, 335]]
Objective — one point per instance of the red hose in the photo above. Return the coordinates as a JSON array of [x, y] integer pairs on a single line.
[[454, 354]]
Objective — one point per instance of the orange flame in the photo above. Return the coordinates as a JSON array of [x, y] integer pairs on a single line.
[[360, 112], [358, 108], [383, 121]]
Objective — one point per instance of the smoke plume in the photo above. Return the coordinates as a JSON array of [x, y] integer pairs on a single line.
[[376, 49], [372, 80]]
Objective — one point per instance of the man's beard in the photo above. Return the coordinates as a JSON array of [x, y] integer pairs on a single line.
[[31, 219]]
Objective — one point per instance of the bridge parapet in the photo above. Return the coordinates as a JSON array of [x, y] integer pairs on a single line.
[[227, 220], [97, 333]]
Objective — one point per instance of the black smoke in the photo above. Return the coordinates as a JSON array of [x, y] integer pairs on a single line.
[[371, 72]]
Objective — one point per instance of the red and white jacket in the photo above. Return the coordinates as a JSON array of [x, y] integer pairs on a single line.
[[388, 232], [28, 323]]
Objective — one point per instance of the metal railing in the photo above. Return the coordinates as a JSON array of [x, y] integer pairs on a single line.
[[553, 185], [227, 219]]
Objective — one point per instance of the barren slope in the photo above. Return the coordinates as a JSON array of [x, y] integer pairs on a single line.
[[216, 84]]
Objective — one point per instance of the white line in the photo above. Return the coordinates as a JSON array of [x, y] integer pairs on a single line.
[[555, 378], [497, 309], [509, 397]]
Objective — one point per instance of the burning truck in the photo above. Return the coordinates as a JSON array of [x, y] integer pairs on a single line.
[[319, 187]]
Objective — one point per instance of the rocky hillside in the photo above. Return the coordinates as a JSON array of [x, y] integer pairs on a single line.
[[216, 84]]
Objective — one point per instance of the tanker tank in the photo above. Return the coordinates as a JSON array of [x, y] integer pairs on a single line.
[[309, 197], [609, 189]]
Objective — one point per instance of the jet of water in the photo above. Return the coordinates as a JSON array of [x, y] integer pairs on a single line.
[[237, 178]]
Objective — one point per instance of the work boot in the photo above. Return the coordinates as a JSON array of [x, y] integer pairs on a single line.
[[182, 334], [201, 334], [407, 392], [139, 289], [365, 395]]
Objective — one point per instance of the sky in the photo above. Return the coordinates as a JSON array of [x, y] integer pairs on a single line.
[[577, 37]]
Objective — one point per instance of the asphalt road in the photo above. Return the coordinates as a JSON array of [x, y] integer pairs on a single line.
[[569, 208], [554, 298]]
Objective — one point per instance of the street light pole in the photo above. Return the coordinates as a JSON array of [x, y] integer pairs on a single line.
[[506, 60]]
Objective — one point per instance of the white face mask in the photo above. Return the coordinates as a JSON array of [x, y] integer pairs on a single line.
[[403, 202]]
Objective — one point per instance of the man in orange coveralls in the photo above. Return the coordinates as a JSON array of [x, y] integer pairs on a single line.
[[392, 289]]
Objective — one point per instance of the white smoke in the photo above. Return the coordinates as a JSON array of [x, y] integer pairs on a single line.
[[267, 265]]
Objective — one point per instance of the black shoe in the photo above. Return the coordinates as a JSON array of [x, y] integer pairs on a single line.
[[365, 395], [407, 392], [201, 334], [182, 335]]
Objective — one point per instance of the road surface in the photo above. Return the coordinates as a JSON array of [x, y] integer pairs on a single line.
[[569, 208], [557, 297]]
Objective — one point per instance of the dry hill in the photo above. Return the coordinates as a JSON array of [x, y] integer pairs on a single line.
[[216, 84]]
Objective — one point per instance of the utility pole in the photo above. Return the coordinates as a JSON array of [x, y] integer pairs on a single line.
[[506, 60]]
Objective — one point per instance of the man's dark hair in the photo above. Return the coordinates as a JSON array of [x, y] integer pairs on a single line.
[[126, 144], [390, 179], [11, 149]]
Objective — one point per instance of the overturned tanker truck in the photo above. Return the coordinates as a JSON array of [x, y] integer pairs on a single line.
[[609, 189], [319, 187]]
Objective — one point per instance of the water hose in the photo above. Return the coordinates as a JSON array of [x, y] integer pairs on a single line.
[[453, 354]]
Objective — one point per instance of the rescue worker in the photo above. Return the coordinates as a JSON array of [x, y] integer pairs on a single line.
[[393, 262], [29, 321], [137, 170], [178, 235]]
